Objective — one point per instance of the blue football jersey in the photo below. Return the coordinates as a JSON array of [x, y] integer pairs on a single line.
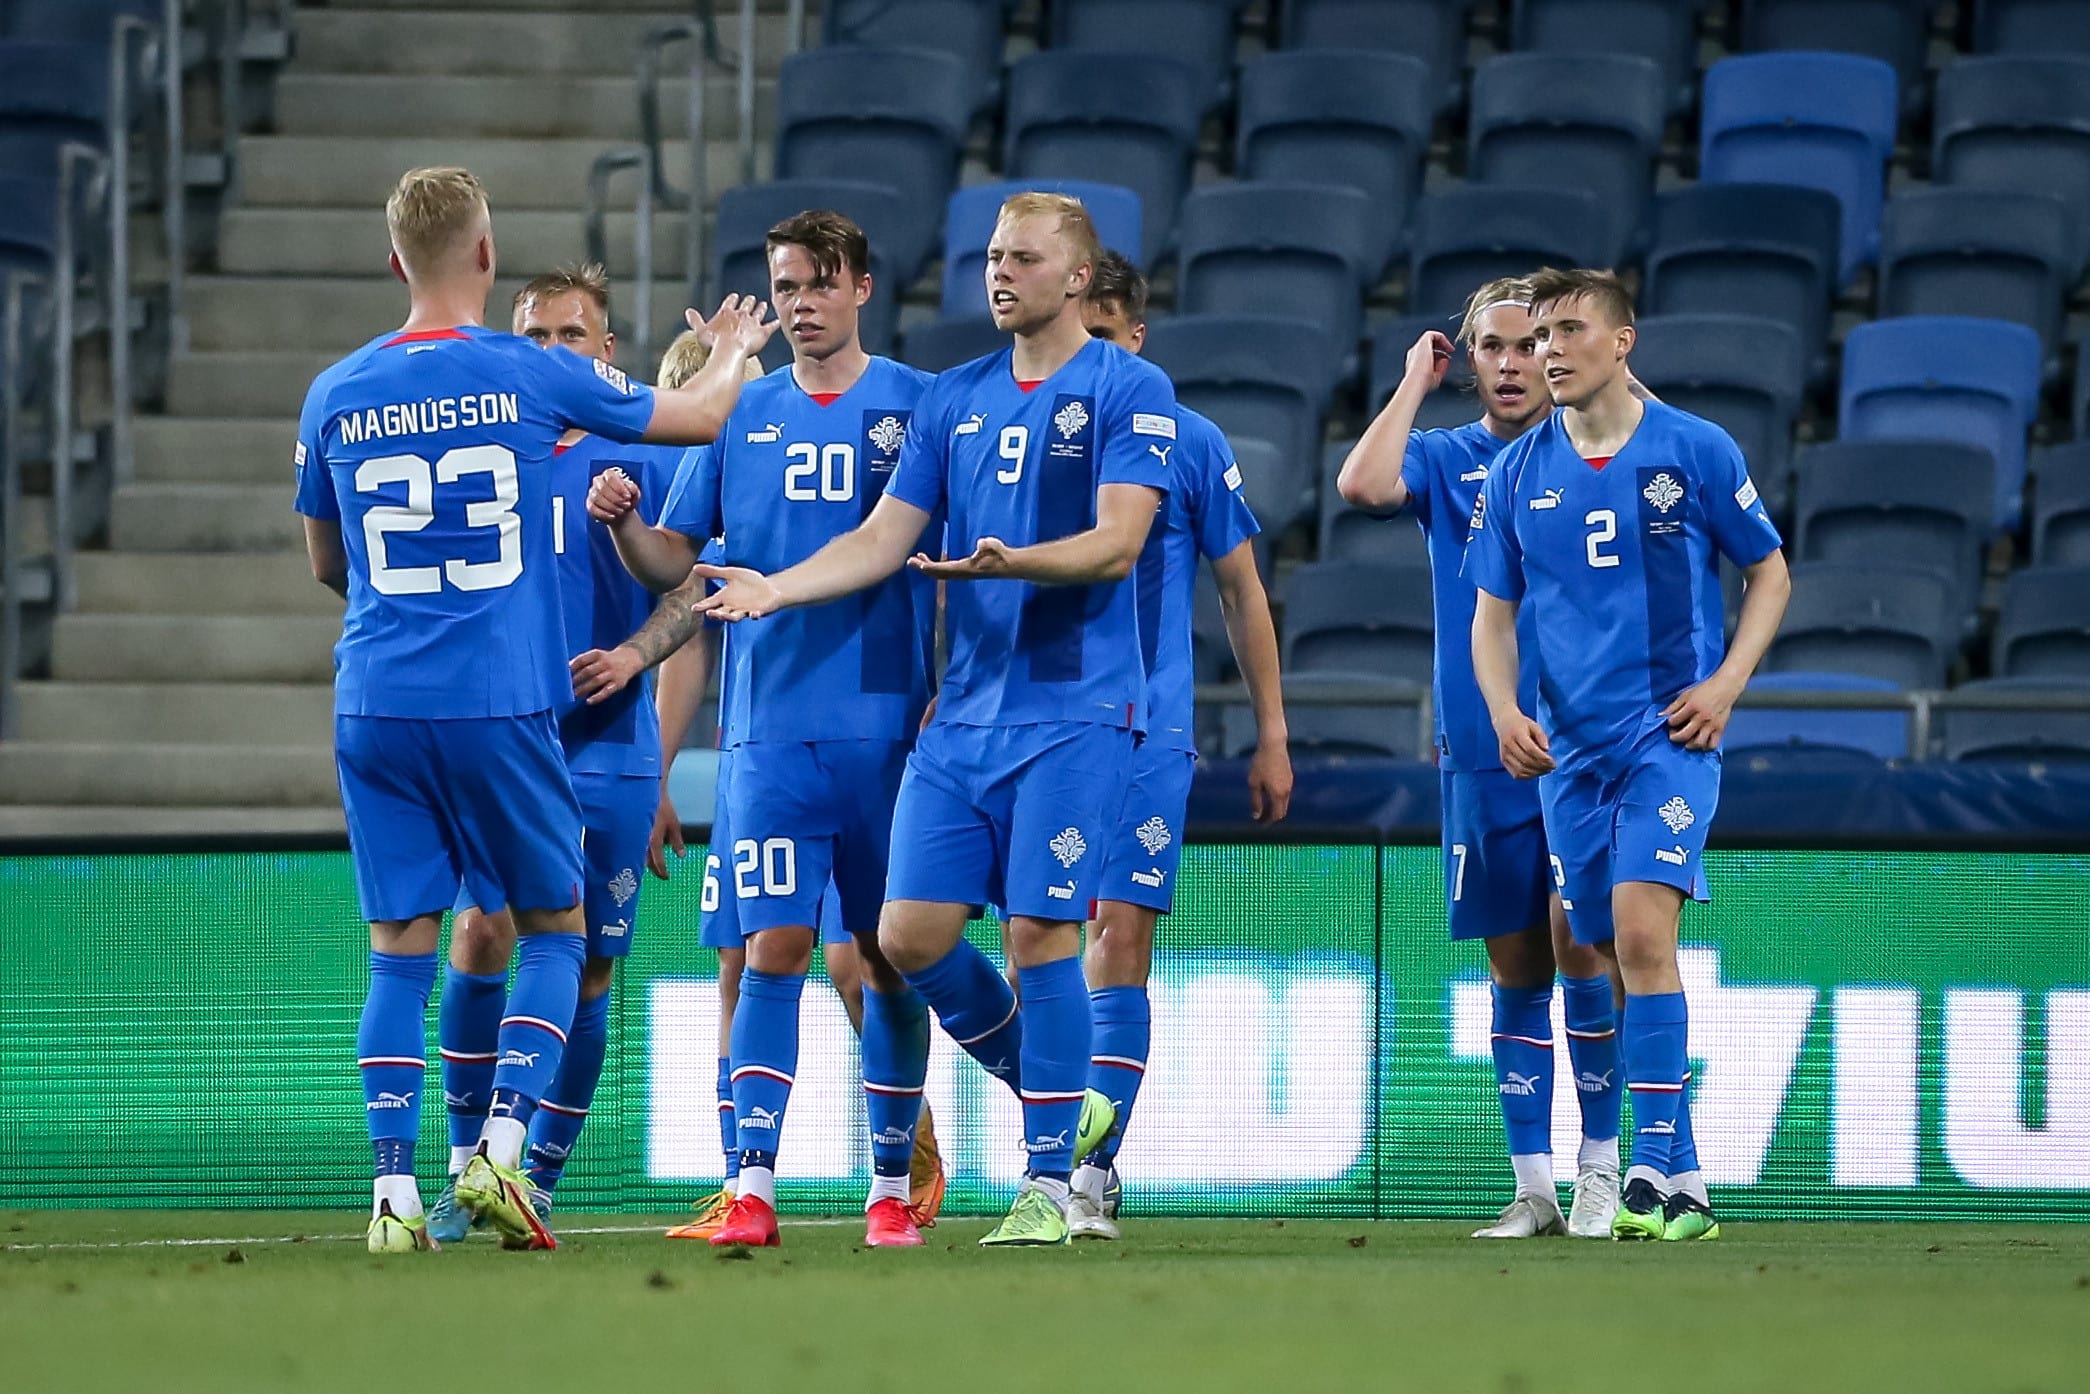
[[1204, 515], [786, 477], [604, 605], [1621, 565], [1024, 467], [1443, 471], [434, 452]]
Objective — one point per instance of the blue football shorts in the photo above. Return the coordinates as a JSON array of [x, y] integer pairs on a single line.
[[1497, 879], [616, 826], [1639, 817], [482, 802], [1139, 863], [1014, 816]]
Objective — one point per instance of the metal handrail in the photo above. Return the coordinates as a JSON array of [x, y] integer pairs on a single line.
[[11, 328], [596, 224], [64, 331], [700, 31], [119, 290], [174, 195]]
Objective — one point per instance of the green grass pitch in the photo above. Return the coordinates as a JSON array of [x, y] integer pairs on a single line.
[[95, 1301]]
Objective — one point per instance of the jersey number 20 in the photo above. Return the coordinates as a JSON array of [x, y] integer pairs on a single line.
[[420, 479], [835, 465]]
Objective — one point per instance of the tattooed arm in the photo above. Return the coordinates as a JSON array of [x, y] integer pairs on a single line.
[[600, 674]]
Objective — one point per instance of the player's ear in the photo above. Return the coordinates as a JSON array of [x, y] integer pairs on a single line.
[[1627, 336], [1139, 337], [609, 346], [485, 253], [398, 266], [863, 289]]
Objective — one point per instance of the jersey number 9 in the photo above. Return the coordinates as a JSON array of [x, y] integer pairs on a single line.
[[420, 479], [1015, 440], [835, 465]]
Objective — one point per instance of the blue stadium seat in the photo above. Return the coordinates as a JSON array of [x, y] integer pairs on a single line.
[[939, 344], [2061, 505], [1351, 534], [1360, 120], [2018, 737], [2079, 399], [1891, 623], [2044, 628], [746, 213], [1468, 235], [54, 92], [1986, 252], [895, 117], [2017, 123], [1576, 121], [1390, 727], [1744, 373], [1133, 120], [1896, 32], [1198, 33], [1901, 503], [28, 223], [1945, 377], [1356, 619], [1820, 120], [74, 21], [1453, 403], [2032, 26], [1883, 734], [968, 223], [1265, 383], [1768, 250], [968, 30], [1297, 250], [1431, 30], [1665, 32]]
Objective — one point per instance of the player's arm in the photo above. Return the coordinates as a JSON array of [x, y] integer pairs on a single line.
[[1525, 753], [1698, 717], [659, 556], [329, 558], [600, 674], [696, 412], [677, 695], [1106, 552], [1254, 639], [1372, 474], [855, 561]]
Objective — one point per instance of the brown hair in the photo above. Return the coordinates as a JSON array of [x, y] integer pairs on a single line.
[[1505, 290], [589, 278], [430, 212], [1118, 282], [831, 240], [1549, 284], [1075, 224], [686, 356]]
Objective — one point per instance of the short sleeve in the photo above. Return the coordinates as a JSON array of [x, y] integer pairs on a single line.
[[593, 395], [659, 468], [1494, 562], [694, 507], [1415, 476], [1137, 435], [922, 476], [1222, 517], [315, 496], [1740, 525]]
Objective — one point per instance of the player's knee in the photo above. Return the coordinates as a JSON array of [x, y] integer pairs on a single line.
[[1121, 946], [1033, 941], [482, 941], [1523, 960], [786, 952], [878, 972], [596, 976], [914, 934]]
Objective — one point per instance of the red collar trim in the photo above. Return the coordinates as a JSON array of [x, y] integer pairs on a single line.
[[422, 336]]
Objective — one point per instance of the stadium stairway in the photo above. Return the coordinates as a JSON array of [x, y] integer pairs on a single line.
[[190, 686]]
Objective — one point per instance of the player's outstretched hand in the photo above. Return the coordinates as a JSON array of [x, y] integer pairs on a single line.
[[600, 674], [1270, 784], [1698, 716], [746, 595], [1525, 752], [989, 559], [613, 495], [667, 832], [1430, 358], [741, 319]]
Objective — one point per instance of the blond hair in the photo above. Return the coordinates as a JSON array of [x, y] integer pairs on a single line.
[[431, 212], [1075, 224], [589, 278], [686, 356], [1505, 290]]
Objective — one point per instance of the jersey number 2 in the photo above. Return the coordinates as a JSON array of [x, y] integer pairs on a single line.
[[1603, 527], [419, 510]]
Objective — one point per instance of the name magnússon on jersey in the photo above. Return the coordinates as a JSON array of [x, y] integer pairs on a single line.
[[429, 415]]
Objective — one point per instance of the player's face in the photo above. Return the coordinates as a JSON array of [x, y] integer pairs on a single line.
[[1581, 351], [1032, 272], [572, 320], [1504, 352], [1107, 319], [819, 312]]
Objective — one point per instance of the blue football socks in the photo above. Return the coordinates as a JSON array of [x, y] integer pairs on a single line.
[[896, 1065], [392, 1055], [765, 1062], [556, 1126], [1521, 1040], [1123, 1036], [1057, 1039], [977, 1009], [1655, 1035], [1592, 1036], [468, 1027]]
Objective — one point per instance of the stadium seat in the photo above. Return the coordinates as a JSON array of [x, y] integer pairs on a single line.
[[1896, 32], [74, 21], [54, 92], [1665, 32], [968, 223], [1579, 121], [2032, 26], [970, 31], [1986, 252], [2079, 399], [2044, 628], [1820, 120], [895, 117], [28, 223], [1901, 503], [1945, 377], [1883, 734], [1132, 119], [1389, 727], [1464, 236], [1431, 30], [746, 213], [1360, 120], [1890, 623], [1265, 383], [1197, 33], [1357, 619], [1745, 374], [2021, 124], [1352, 535], [1746, 249], [2061, 505], [1297, 250], [939, 344], [2020, 737]]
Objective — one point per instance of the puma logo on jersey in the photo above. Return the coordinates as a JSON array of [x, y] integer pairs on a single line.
[[1676, 857], [1471, 475], [1550, 499], [768, 435], [1160, 452], [971, 425]]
